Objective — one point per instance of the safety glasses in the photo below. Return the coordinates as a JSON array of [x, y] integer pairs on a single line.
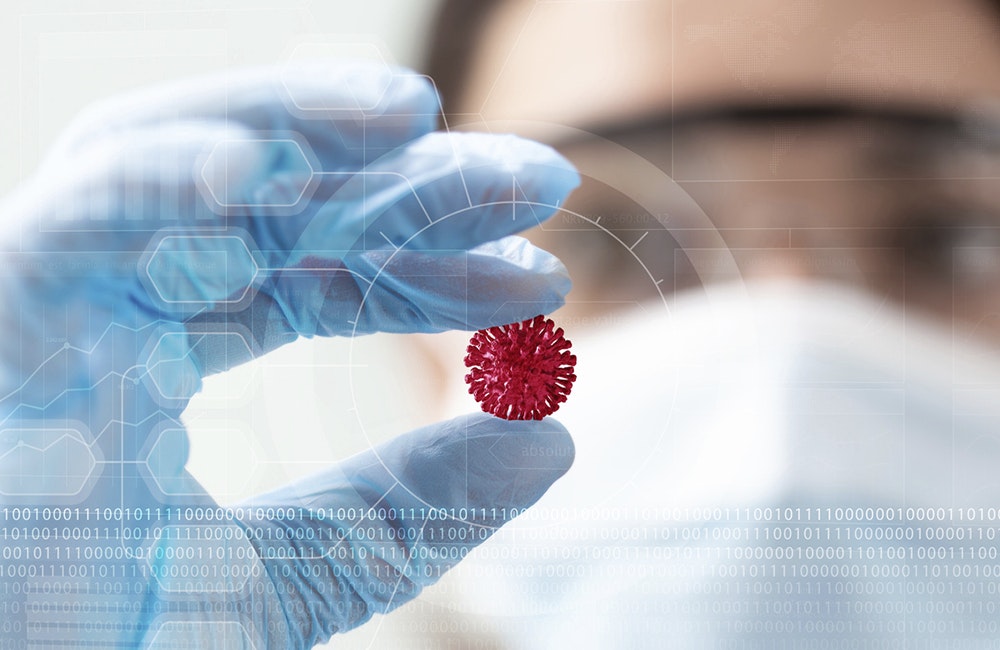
[[900, 202]]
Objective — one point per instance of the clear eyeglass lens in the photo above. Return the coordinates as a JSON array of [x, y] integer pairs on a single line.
[[908, 212]]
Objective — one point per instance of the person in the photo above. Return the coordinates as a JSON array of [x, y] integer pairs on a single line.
[[176, 232], [785, 260], [782, 253]]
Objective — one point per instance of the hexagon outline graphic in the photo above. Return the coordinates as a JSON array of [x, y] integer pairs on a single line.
[[170, 626], [151, 447], [152, 355], [247, 286], [207, 185], [377, 61], [64, 432]]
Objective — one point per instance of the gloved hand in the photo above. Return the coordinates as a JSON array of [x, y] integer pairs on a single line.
[[177, 232]]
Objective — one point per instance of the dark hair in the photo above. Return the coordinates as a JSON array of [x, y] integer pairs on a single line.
[[458, 28], [455, 33]]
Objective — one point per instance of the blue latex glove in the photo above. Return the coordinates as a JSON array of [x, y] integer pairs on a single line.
[[175, 233]]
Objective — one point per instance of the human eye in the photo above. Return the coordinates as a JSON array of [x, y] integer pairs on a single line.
[[954, 244]]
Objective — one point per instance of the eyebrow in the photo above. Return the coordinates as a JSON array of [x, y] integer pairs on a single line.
[[802, 113]]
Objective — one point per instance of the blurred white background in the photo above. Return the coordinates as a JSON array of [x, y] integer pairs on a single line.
[[57, 56]]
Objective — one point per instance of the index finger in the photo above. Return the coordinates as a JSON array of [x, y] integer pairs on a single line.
[[348, 111]]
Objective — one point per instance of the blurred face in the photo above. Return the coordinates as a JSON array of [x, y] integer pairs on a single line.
[[851, 141]]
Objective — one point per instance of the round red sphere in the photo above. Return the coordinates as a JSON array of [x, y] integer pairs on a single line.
[[521, 371]]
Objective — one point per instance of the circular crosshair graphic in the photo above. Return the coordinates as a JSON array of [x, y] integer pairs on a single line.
[[633, 458]]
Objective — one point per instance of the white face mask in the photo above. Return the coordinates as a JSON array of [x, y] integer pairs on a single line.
[[710, 434], [812, 392]]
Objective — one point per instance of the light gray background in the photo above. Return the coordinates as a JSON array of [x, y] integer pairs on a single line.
[[57, 56]]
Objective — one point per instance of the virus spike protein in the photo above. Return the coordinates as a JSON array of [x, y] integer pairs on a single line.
[[521, 371]]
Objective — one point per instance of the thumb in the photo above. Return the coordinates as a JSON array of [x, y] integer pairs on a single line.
[[370, 534]]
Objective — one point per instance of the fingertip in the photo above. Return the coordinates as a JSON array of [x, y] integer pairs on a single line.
[[535, 453], [559, 175], [364, 89], [476, 460], [525, 279], [422, 98], [548, 269], [540, 173], [548, 174], [455, 191]]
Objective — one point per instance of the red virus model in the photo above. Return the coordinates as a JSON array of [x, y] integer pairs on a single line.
[[521, 371]]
